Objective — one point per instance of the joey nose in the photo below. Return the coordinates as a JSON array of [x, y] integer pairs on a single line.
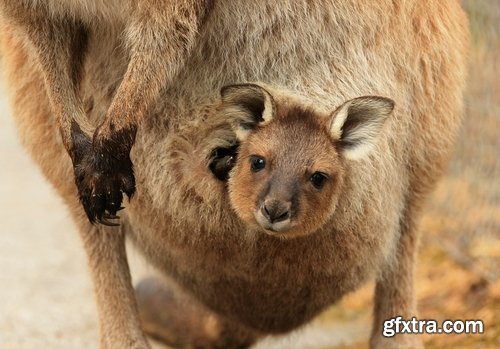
[[276, 211]]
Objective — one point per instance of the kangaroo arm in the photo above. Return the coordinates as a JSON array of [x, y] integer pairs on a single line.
[[160, 39]]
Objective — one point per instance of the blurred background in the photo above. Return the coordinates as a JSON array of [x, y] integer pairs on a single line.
[[46, 297]]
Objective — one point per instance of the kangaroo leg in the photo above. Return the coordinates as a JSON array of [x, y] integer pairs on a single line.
[[119, 324], [394, 291]]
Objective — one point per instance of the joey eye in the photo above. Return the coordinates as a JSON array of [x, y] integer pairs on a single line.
[[257, 163], [318, 179]]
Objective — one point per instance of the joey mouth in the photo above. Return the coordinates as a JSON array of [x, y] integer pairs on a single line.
[[275, 227], [276, 218]]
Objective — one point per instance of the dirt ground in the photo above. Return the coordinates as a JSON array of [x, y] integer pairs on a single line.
[[46, 296]]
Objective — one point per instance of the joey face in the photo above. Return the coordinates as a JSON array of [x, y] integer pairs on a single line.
[[291, 161], [287, 176]]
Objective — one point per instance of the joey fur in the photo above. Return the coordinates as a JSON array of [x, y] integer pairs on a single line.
[[311, 62]]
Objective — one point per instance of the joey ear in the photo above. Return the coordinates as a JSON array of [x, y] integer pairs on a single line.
[[357, 124], [247, 105]]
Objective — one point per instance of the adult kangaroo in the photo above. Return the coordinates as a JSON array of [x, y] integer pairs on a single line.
[[375, 86]]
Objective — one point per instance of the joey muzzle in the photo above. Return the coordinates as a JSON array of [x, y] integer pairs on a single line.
[[274, 215]]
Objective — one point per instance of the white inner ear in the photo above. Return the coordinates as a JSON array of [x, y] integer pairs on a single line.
[[357, 124], [241, 133], [239, 113], [267, 113], [361, 139], [339, 120], [360, 150], [248, 106]]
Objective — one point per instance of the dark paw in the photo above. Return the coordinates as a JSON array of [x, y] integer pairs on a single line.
[[222, 160], [102, 174], [101, 180]]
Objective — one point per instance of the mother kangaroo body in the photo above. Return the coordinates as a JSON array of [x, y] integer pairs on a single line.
[[316, 55]]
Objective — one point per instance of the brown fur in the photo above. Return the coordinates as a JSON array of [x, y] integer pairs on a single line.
[[312, 55]]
